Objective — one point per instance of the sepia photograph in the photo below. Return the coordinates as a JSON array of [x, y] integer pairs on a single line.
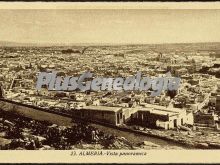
[[102, 79]]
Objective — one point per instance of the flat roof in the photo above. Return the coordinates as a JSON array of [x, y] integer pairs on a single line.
[[102, 108], [157, 108], [159, 112]]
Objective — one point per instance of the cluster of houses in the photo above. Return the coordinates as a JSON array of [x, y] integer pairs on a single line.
[[148, 116], [19, 67]]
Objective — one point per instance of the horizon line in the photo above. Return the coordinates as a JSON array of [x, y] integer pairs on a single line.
[[105, 43]]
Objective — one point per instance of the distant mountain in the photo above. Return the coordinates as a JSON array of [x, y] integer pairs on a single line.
[[8, 43], [15, 44], [18, 44]]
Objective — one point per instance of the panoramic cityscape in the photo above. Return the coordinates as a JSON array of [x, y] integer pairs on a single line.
[[186, 116], [45, 117]]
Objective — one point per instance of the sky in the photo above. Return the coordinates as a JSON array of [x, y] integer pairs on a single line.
[[116, 26]]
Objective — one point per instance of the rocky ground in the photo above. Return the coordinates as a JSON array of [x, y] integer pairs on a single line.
[[21, 133], [201, 138], [17, 132]]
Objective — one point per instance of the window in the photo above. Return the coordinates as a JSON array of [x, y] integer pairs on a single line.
[[120, 115], [118, 120]]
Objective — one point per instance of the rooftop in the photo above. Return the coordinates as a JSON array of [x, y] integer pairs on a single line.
[[164, 110]]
